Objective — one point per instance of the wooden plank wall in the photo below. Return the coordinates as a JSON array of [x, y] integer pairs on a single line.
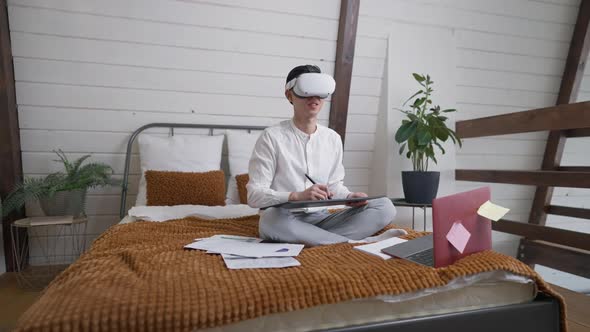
[[88, 73]]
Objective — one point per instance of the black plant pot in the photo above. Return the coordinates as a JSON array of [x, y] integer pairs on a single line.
[[420, 187]]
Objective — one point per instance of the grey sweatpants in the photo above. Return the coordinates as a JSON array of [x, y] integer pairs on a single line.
[[321, 227]]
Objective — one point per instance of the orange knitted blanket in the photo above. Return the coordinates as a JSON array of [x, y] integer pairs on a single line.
[[138, 277]]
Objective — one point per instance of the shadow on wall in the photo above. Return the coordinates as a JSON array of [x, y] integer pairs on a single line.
[[410, 49]]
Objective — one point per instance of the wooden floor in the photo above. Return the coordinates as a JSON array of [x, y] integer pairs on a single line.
[[578, 309], [14, 301]]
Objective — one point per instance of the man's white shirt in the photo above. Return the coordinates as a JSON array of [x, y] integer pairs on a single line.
[[284, 154]]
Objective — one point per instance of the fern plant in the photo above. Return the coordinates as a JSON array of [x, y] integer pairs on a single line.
[[76, 176]]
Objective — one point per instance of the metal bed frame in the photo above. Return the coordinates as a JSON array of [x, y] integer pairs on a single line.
[[171, 127], [540, 315]]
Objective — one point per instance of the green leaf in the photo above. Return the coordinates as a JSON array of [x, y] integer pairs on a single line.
[[453, 134], [77, 164], [442, 134], [405, 131], [424, 136], [452, 138], [418, 102], [412, 144], [440, 147], [409, 154], [414, 95], [449, 110], [429, 151], [401, 149], [64, 159], [418, 77]]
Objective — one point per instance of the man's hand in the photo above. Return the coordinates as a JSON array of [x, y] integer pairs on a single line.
[[313, 193], [357, 195]]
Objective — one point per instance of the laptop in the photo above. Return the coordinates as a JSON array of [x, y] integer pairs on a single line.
[[434, 249]]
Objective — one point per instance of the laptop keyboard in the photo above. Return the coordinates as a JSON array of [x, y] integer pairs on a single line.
[[425, 257]]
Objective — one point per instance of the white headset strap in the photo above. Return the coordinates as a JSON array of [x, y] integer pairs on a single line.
[[290, 84]]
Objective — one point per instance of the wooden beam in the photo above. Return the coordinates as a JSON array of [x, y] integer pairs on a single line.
[[551, 161], [568, 91], [570, 261], [10, 154], [532, 178], [576, 57], [568, 211], [544, 233], [349, 13], [573, 168], [582, 132], [549, 118]]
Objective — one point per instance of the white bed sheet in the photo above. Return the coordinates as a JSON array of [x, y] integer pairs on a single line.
[[163, 213]]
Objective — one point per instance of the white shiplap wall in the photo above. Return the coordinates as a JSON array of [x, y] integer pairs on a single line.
[[511, 56], [90, 72]]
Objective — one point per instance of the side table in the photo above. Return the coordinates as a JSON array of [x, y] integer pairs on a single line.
[[402, 202], [57, 240]]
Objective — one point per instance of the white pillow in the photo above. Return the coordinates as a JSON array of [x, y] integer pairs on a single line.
[[239, 150], [177, 153]]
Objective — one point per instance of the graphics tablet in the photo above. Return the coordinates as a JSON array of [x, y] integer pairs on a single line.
[[323, 202]]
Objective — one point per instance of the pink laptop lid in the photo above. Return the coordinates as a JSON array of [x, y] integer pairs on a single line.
[[460, 207]]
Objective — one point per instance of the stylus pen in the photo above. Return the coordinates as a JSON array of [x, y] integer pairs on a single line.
[[312, 181]]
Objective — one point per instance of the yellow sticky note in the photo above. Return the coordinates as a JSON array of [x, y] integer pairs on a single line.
[[492, 211]]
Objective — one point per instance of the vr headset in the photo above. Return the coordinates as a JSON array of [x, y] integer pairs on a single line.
[[312, 85]]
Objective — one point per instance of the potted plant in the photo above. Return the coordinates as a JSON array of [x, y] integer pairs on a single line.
[[61, 193], [422, 130]]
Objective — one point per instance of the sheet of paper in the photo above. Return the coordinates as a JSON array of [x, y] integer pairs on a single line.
[[492, 211], [236, 262], [458, 236], [229, 237], [227, 246], [375, 248], [232, 237]]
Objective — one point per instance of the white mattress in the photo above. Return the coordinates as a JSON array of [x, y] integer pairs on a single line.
[[482, 294], [466, 293]]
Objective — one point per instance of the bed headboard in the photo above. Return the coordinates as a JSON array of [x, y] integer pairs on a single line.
[[170, 126]]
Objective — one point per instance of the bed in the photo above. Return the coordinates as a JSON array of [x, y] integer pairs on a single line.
[[137, 276]]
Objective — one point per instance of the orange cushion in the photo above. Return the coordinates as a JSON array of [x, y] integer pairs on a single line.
[[178, 188], [242, 181]]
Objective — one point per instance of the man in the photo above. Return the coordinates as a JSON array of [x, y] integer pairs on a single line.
[[288, 155]]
